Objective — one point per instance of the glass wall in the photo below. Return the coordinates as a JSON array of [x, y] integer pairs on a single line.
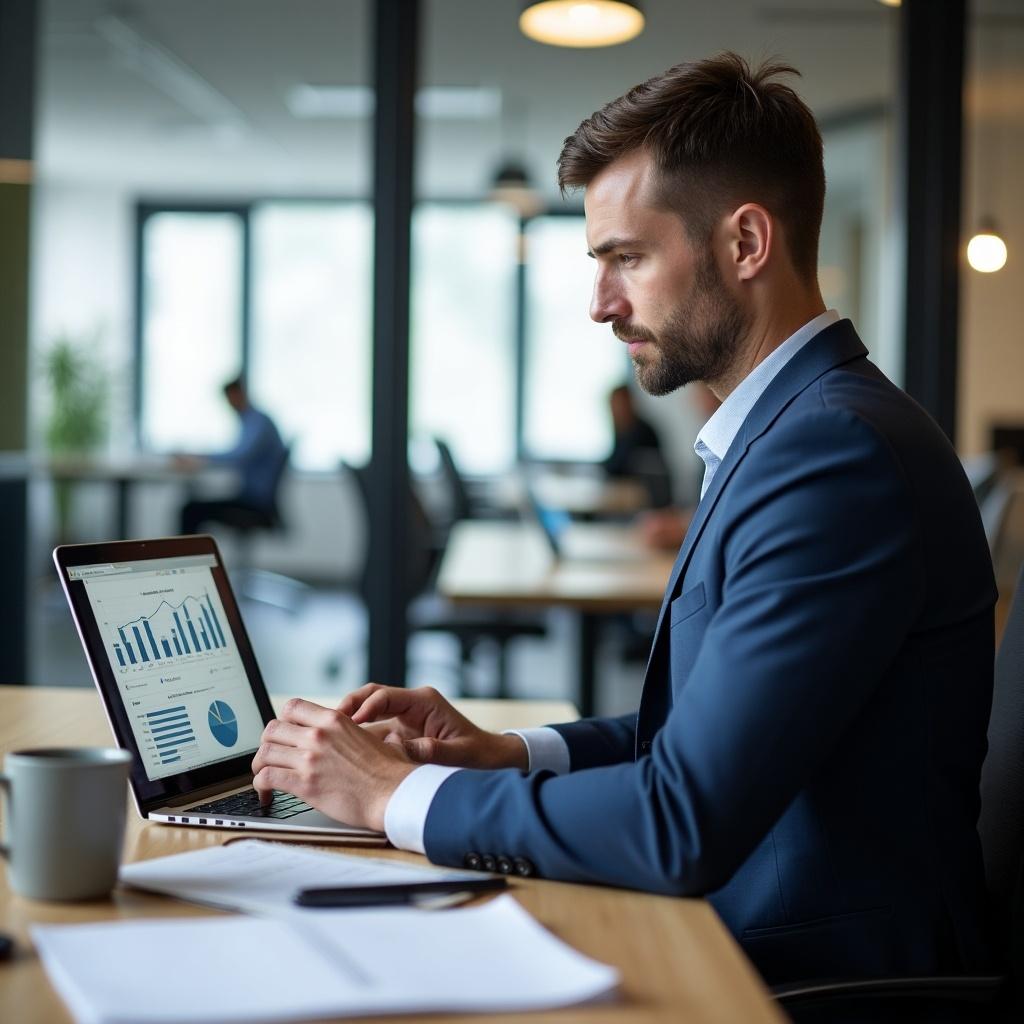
[[191, 337], [571, 362], [462, 355], [309, 360]]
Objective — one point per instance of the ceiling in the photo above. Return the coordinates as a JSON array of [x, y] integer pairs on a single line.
[[182, 97]]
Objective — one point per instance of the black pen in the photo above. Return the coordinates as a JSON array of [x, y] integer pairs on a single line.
[[397, 894]]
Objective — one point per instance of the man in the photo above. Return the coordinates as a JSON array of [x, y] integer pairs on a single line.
[[808, 744], [635, 440], [259, 456]]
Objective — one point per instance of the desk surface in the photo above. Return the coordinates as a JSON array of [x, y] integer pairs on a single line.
[[678, 962], [509, 564]]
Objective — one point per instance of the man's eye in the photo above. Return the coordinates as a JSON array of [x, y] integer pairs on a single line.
[[627, 259]]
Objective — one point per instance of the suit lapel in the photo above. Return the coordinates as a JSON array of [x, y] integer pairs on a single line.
[[832, 347]]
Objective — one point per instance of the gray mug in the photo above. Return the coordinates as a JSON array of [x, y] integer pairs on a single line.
[[64, 821]]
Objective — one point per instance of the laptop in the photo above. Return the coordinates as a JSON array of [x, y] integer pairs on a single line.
[[179, 682], [594, 542]]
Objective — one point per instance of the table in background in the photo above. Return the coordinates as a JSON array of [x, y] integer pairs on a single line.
[[678, 962], [124, 473], [509, 565], [582, 495]]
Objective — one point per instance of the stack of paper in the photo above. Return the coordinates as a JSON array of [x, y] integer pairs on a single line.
[[292, 964], [263, 877]]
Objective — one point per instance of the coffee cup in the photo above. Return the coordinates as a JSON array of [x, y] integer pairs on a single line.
[[63, 821]]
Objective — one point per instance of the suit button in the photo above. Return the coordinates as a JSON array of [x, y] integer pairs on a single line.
[[473, 861], [523, 867], [645, 746], [505, 865], [489, 862]]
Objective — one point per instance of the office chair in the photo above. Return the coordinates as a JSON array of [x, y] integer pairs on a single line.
[[995, 998], [427, 610], [245, 524]]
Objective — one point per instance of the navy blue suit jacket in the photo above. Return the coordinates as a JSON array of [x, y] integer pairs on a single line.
[[809, 741]]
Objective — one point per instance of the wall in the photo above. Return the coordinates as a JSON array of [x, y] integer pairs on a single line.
[[991, 379]]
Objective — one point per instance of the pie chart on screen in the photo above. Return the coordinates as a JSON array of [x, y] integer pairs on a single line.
[[223, 723]]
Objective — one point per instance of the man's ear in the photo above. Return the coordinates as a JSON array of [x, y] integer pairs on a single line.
[[750, 230]]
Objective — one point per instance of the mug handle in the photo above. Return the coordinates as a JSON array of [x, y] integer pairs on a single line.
[[5, 786]]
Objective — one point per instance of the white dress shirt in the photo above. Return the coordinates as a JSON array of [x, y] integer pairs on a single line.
[[406, 814]]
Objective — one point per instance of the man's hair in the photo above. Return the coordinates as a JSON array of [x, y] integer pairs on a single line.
[[235, 384], [721, 134]]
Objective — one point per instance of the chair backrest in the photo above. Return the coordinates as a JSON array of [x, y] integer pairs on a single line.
[[459, 503], [276, 476], [1001, 824], [422, 556]]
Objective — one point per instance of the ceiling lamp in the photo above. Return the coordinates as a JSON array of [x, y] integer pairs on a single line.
[[986, 251], [581, 22], [512, 185]]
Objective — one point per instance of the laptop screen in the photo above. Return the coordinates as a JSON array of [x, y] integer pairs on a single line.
[[177, 667], [171, 659]]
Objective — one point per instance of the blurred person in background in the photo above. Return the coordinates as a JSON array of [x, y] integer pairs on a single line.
[[258, 456]]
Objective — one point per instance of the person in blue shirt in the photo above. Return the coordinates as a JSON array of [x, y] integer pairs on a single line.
[[259, 457]]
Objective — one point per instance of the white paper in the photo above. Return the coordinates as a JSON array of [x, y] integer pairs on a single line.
[[263, 877], [490, 958]]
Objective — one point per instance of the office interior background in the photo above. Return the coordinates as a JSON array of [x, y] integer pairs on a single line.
[[202, 204]]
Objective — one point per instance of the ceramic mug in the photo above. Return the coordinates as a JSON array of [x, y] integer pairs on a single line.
[[64, 820]]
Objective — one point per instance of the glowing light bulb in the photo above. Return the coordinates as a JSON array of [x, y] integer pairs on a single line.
[[986, 252], [582, 22]]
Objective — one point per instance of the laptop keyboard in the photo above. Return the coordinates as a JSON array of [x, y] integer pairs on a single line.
[[247, 805]]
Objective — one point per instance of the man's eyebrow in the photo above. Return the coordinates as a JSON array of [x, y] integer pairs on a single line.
[[612, 244]]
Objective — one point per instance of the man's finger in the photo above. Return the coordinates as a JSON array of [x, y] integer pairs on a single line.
[[351, 702], [284, 733], [276, 756], [305, 712], [387, 702], [269, 778]]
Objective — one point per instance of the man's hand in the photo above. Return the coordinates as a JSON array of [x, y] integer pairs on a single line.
[[430, 730], [323, 758]]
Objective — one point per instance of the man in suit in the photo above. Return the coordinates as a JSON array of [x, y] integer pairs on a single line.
[[807, 749]]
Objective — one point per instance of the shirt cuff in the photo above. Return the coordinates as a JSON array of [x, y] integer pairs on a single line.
[[546, 749], [405, 816]]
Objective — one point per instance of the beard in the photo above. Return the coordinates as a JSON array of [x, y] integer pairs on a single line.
[[698, 340]]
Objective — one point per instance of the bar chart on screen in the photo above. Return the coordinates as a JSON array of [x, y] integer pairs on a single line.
[[176, 627]]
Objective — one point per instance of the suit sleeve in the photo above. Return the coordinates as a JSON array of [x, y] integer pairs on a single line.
[[822, 581], [594, 742]]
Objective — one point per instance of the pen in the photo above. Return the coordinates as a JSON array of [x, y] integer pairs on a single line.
[[394, 895]]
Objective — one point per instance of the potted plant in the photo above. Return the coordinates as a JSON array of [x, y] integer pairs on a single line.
[[77, 420]]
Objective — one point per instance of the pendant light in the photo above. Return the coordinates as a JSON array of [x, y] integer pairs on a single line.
[[581, 23], [986, 251]]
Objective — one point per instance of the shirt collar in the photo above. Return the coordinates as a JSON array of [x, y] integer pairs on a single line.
[[720, 431]]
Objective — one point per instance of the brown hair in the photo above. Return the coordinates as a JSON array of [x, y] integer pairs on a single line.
[[720, 133]]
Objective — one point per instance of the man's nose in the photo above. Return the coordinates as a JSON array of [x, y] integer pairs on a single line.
[[608, 302]]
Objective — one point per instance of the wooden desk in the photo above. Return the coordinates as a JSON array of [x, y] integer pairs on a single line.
[[677, 961], [123, 473], [508, 565]]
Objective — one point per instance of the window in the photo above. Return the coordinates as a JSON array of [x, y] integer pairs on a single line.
[[462, 345], [571, 362], [191, 328], [310, 356]]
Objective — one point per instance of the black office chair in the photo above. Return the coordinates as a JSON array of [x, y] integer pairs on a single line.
[[427, 610], [1001, 827], [245, 524]]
